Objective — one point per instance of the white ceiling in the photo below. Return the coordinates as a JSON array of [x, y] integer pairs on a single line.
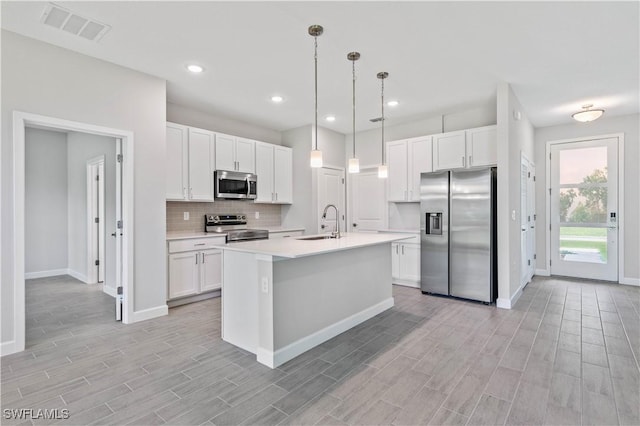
[[441, 56]]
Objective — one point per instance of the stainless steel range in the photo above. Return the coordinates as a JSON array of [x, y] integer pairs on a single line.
[[233, 226]]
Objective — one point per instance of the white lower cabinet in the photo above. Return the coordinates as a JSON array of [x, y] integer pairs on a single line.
[[405, 263], [193, 267]]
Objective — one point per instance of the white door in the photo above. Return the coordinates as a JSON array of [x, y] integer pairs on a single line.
[[282, 174], [245, 155], [200, 165], [368, 203], [225, 152], [584, 208], [449, 151], [210, 270], [117, 233], [96, 220], [531, 207], [183, 274], [330, 191], [397, 163], [482, 147], [177, 162], [420, 160], [526, 221], [264, 171]]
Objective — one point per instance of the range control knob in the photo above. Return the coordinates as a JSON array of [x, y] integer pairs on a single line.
[[242, 217], [216, 218]]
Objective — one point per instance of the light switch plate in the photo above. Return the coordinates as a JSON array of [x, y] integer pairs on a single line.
[[265, 285], [513, 215], [257, 215], [185, 215]]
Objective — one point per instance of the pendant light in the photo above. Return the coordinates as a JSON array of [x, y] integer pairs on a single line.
[[382, 168], [354, 163], [315, 159], [587, 114]]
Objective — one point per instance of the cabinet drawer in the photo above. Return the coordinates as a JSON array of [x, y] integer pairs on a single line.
[[194, 244], [274, 235]]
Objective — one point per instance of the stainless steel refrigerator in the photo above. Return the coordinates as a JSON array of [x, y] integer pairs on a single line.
[[458, 234]]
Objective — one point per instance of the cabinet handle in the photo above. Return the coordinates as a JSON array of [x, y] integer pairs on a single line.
[[276, 196], [196, 258], [203, 258], [396, 249], [200, 244], [184, 192], [190, 193], [403, 250], [470, 160], [463, 161]]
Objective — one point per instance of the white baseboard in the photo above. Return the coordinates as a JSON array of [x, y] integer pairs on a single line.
[[406, 283], [630, 281], [44, 274], [150, 313], [109, 290], [292, 350], [78, 276], [505, 303], [8, 348], [543, 272]]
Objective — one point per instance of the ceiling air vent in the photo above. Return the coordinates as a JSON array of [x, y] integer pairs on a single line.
[[66, 20]]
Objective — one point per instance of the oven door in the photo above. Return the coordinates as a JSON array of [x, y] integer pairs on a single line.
[[235, 185]]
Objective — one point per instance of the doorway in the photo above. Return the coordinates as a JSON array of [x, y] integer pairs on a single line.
[[584, 194], [96, 220], [527, 220], [368, 201], [330, 185], [21, 121]]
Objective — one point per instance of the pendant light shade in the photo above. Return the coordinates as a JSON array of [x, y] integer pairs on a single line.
[[315, 160], [354, 163], [383, 172], [587, 114]]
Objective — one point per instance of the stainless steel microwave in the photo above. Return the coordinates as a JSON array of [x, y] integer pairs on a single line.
[[235, 185]]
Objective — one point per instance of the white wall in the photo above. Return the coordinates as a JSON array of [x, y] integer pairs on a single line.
[[192, 117], [303, 211], [45, 201], [515, 136], [627, 124], [80, 148], [42, 79]]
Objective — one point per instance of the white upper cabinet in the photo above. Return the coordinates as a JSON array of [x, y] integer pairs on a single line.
[[397, 165], [406, 160], [283, 174], [177, 162], [235, 154], [482, 146], [189, 163], [449, 151], [465, 149], [201, 143], [274, 168]]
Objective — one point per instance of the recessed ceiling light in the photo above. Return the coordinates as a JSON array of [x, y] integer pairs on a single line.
[[392, 103], [196, 69], [277, 99], [330, 118]]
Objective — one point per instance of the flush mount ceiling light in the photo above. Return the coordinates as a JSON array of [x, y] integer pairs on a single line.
[[194, 68], [315, 159], [382, 168], [330, 118], [277, 99], [393, 103], [354, 163], [587, 114]]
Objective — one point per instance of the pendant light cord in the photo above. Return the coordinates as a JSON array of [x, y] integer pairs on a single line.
[[315, 58], [353, 70], [382, 103]]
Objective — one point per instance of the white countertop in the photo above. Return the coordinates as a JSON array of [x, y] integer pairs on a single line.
[[280, 228], [294, 247], [401, 231]]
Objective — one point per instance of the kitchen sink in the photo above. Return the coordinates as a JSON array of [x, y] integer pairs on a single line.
[[316, 237]]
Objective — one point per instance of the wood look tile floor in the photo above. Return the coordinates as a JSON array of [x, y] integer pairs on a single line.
[[566, 354]]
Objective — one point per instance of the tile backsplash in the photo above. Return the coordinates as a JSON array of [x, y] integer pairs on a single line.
[[269, 214]]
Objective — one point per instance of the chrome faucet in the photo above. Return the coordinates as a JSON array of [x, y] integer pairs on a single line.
[[336, 233]]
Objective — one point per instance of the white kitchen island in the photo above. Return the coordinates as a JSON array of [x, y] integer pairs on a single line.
[[283, 297]]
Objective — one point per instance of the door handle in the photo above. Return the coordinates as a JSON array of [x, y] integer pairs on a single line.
[[113, 235], [321, 226], [355, 225]]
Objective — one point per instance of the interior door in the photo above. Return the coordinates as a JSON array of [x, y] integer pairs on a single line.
[[368, 205], [526, 221], [584, 208], [330, 185], [531, 207], [119, 229]]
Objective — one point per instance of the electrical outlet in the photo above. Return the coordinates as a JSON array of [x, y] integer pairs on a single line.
[[185, 215], [513, 215], [265, 285], [257, 215]]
